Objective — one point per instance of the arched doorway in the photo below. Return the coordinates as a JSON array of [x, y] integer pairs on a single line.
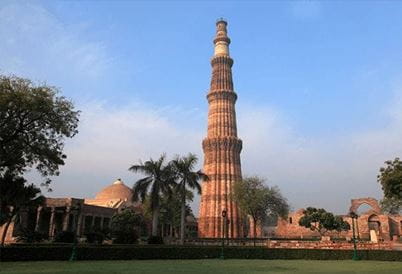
[[374, 226]]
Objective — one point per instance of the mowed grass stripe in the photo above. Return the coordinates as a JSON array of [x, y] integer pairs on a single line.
[[203, 266]]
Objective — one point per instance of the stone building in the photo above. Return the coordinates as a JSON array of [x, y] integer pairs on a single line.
[[221, 147], [83, 215], [371, 225], [74, 214]]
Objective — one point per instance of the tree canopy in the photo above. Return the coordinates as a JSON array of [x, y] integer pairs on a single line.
[[318, 219], [156, 183], [390, 178], [16, 195], [258, 200], [127, 226], [186, 177], [34, 122]]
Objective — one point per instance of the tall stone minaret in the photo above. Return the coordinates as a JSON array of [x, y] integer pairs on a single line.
[[221, 147]]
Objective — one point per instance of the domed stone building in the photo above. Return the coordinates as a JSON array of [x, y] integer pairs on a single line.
[[75, 214], [84, 215], [116, 195]]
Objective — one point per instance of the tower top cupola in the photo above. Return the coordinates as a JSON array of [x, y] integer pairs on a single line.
[[221, 40]]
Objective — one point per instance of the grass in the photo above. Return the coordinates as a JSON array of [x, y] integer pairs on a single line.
[[203, 266]]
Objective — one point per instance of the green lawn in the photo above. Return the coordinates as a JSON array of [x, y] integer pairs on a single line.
[[204, 266]]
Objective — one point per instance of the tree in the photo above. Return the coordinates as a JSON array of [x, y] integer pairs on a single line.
[[158, 181], [391, 205], [390, 178], [126, 226], [322, 221], [170, 209], [259, 201], [15, 195], [34, 122], [187, 177]]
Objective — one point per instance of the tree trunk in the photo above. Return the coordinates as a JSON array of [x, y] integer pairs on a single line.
[[3, 237], [183, 215], [155, 221]]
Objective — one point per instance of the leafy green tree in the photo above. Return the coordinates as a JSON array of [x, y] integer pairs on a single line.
[[390, 178], [391, 205], [259, 201], [171, 209], [16, 195], [126, 226], [158, 181], [34, 122], [186, 178], [318, 219]]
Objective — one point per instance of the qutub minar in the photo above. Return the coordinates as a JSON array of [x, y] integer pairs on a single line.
[[221, 147]]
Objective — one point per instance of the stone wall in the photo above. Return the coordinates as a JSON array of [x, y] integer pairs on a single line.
[[387, 227]]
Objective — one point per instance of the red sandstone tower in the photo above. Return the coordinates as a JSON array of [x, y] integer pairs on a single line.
[[221, 147]]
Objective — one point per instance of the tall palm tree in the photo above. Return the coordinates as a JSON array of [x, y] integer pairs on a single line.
[[15, 195], [183, 167], [157, 182]]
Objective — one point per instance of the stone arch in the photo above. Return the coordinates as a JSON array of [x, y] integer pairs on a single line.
[[373, 203]]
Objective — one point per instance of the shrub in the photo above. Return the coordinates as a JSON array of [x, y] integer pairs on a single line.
[[30, 236], [65, 237], [127, 252], [126, 238], [155, 240], [95, 237]]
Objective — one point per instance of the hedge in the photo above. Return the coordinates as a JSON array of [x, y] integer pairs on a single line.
[[130, 252]]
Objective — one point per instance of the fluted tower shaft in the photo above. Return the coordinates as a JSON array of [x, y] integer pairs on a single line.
[[221, 147]]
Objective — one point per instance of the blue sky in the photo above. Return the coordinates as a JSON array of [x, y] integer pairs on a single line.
[[319, 85]]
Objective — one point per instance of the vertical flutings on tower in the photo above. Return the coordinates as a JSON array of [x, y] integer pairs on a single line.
[[221, 147]]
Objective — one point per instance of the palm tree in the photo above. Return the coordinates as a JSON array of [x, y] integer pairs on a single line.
[[158, 182], [15, 195], [183, 167]]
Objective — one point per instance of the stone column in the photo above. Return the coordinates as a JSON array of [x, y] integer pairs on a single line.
[[51, 223], [74, 222], [66, 218], [24, 218], [80, 224], [101, 222], [38, 215], [92, 223]]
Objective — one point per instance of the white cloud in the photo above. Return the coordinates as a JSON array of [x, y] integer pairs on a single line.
[[322, 171], [325, 171], [35, 43], [113, 138]]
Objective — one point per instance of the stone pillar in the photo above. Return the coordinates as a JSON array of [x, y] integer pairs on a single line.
[[80, 224], [101, 222], [74, 222], [66, 218], [51, 222], [92, 223], [38, 215], [23, 218]]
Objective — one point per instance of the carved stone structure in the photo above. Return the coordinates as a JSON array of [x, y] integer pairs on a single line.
[[374, 222], [356, 203], [221, 147], [72, 214], [82, 216]]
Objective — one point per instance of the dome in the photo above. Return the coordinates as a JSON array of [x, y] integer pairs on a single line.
[[118, 190]]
